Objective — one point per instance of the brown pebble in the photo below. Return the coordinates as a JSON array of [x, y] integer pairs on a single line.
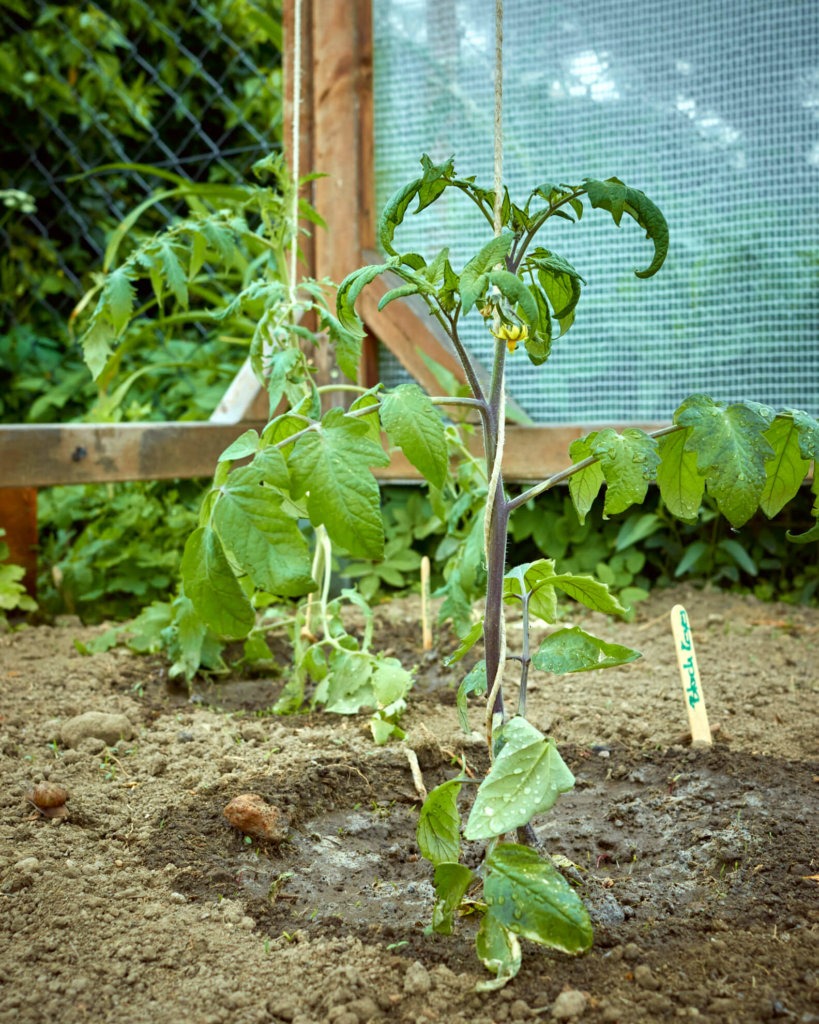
[[645, 978], [252, 815]]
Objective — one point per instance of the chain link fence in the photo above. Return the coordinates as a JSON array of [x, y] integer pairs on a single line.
[[191, 89]]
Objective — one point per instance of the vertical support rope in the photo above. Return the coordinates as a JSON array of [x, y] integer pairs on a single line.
[[295, 147], [495, 492], [498, 224]]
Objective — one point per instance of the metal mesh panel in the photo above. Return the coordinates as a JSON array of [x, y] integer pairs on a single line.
[[192, 88], [710, 107]]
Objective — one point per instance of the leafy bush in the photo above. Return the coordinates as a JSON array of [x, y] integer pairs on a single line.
[[194, 87], [13, 596], [109, 550]]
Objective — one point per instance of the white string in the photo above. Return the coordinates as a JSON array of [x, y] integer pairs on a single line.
[[295, 148]]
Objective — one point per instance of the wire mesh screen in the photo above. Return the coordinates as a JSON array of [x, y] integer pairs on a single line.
[[192, 88], [711, 108]]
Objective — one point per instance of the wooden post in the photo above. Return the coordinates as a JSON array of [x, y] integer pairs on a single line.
[[18, 517]]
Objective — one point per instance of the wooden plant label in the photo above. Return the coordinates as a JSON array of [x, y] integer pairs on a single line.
[[426, 628], [690, 676]]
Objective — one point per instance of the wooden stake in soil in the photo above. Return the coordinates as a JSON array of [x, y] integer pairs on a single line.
[[690, 677], [426, 628]]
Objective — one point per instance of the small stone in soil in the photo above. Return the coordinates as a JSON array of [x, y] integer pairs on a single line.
[[645, 979], [100, 725], [631, 952], [571, 1003], [417, 980]]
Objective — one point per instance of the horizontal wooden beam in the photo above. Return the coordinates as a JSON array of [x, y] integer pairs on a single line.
[[531, 454], [44, 455]]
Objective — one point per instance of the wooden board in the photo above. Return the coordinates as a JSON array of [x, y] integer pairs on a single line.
[[77, 453], [48, 454]]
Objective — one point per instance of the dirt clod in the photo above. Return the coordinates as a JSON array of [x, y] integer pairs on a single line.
[[417, 981], [110, 727], [252, 815], [569, 1005]]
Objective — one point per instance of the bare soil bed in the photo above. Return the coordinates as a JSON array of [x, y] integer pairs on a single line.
[[144, 905]]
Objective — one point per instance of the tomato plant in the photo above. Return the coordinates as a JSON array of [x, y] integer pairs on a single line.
[[311, 470]]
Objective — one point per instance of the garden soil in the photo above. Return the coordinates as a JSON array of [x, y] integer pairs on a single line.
[[144, 904]]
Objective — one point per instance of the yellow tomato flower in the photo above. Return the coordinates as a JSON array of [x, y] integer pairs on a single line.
[[512, 334]]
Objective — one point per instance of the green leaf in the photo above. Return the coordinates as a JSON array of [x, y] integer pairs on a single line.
[[693, 553], [590, 592], [331, 467], [499, 950], [414, 424], [786, 469], [681, 486], [271, 465], [561, 283], [347, 342], [451, 883], [190, 632], [175, 276], [347, 688], [738, 553], [516, 292], [534, 578], [530, 897], [473, 682], [636, 528], [245, 444], [629, 462], [538, 343], [260, 537], [618, 198], [384, 724], [435, 179], [473, 278], [280, 366], [466, 643], [349, 290], [439, 824], [393, 214], [428, 187], [212, 587], [390, 680], [575, 650], [369, 400], [402, 291], [731, 452], [813, 533], [808, 429], [585, 484], [527, 777], [97, 345], [119, 297]]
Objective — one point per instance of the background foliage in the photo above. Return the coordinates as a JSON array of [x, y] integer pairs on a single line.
[[192, 89]]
